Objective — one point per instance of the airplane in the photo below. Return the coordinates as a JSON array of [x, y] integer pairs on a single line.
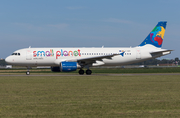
[[71, 59]]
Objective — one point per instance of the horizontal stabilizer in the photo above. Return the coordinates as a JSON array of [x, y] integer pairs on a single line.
[[161, 51]]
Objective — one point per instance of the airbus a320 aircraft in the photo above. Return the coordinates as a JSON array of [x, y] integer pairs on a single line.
[[71, 59]]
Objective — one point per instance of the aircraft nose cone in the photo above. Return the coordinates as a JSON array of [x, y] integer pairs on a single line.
[[8, 60]]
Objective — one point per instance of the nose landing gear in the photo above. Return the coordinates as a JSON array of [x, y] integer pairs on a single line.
[[27, 73]]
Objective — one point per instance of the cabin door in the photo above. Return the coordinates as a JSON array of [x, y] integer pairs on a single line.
[[138, 54], [28, 55]]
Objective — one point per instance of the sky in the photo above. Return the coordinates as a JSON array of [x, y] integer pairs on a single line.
[[86, 23]]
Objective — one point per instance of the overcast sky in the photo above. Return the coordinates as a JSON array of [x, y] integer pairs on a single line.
[[86, 23]]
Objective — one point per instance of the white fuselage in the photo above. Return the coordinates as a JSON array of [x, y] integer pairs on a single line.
[[54, 56]]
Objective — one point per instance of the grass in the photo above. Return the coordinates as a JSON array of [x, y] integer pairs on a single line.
[[102, 70], [90, 96], [137, 70]]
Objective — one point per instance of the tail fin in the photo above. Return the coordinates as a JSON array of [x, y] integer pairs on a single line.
[[156, 36]]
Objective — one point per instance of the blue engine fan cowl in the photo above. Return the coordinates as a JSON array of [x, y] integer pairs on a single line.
[[68, 66]]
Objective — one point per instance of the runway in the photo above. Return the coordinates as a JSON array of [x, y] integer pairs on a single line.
[[50, 75]]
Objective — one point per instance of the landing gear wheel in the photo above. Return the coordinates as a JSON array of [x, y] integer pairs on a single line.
[[81, 72], [88, 72], [27, 73]]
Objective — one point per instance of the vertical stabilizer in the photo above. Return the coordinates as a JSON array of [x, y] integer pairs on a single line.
[[156, 36]]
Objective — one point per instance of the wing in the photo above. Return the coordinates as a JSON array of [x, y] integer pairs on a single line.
[[93, 61]]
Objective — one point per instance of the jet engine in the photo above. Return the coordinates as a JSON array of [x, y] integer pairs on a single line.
[[66, 67]]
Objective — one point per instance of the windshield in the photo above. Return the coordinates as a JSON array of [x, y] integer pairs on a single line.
[[16, 54]]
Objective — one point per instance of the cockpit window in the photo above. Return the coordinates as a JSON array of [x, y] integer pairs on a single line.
[[16, 54]]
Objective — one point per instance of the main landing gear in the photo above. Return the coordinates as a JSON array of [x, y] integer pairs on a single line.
[[81, 72], [88, 72]]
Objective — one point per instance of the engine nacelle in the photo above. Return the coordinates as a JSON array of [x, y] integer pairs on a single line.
[[55, 69], [66, 67]]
